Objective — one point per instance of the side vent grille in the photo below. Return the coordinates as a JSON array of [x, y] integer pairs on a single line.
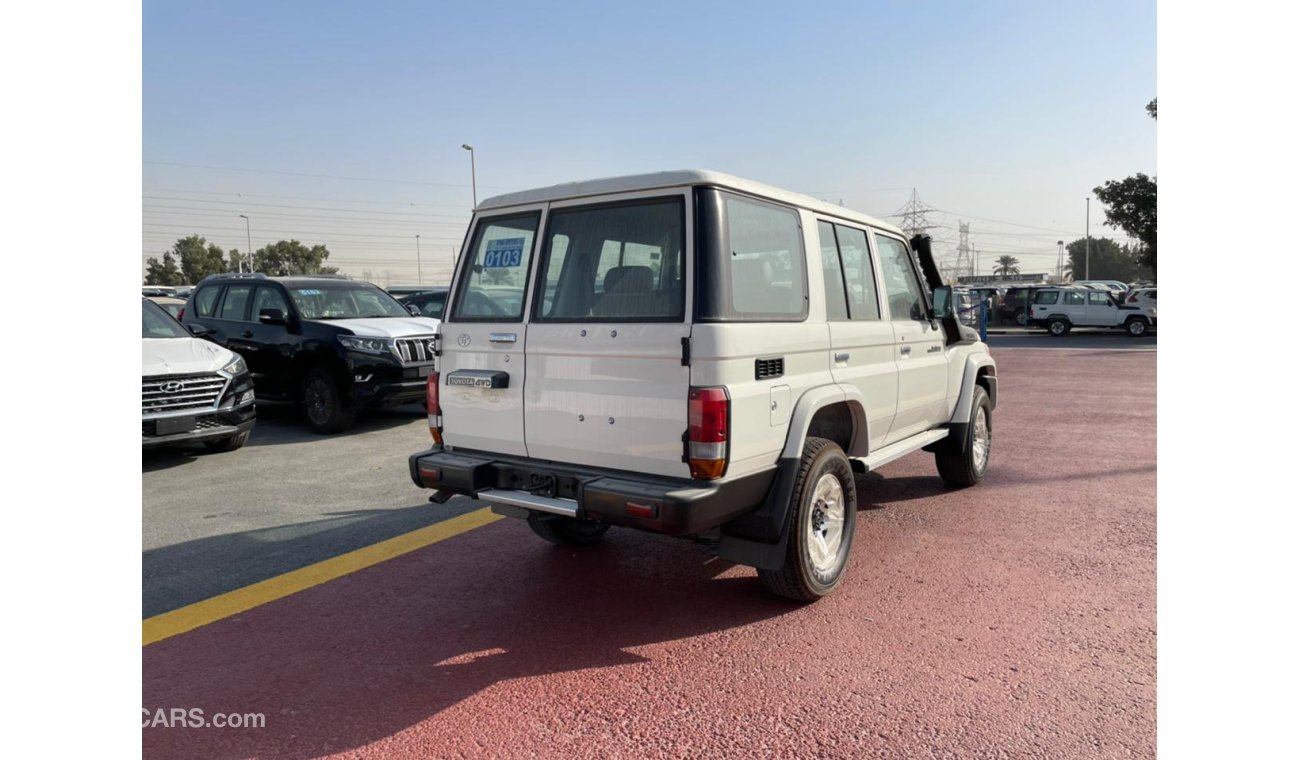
[[769, 368]]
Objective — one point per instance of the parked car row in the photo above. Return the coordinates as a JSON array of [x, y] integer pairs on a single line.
[[1012, 304]]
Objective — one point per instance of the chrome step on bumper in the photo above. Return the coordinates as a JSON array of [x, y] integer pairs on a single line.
[[525, 500]]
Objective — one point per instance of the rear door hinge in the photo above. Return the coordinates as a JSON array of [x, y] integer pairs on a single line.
[[686, 351]]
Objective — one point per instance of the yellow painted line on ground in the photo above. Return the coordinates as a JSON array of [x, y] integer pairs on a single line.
[[193, 616]]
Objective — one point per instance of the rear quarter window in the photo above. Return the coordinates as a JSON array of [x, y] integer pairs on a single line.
[[1047, 297], [752, 264]]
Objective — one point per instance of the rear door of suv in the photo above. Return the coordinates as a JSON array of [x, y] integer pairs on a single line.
[[606, 382], [484, 332]]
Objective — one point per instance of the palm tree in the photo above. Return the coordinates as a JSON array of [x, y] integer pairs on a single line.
[[1007, 265]]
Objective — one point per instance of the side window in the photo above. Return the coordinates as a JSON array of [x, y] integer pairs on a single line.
[[1047, 296], [205, 300], [268, 297], [859, 274], [1074, 298], [235, 305], [1098, 298], [765, 261], [492, 284], [837, 306], [902, 288], [432, 305]]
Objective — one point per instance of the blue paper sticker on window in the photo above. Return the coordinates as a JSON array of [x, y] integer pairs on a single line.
[[504, 253]]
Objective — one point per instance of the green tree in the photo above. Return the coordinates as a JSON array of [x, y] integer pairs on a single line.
[[1151, 108], [1107, 260], [289, 257], [197, 258], [1007, 265], [1131, 206], [163, 272], [236, 261]]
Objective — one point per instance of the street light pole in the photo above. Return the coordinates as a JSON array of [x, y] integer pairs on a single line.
[[1087, 240], [419, 273], [473, 174], [248, 230]]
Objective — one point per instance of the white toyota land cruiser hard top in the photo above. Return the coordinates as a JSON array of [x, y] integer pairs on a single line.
[[691, 353]]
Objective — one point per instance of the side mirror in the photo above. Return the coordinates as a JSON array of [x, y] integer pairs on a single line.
[[943, 302], [198, 330], [271, 317], [415, 310]]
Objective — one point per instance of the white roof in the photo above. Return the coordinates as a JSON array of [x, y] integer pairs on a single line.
[[678, 178]]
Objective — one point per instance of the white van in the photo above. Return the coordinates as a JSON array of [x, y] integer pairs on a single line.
[[695, 354]]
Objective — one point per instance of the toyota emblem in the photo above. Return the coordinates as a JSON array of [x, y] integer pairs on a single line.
[[462, 340], [172, 387]]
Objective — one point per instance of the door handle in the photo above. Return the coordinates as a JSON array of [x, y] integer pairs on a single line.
[[905, 350], [842, 356], [502, 337], [933, 349], [247, 333]]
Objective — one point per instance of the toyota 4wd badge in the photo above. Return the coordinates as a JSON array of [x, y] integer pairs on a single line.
[[462, 340]]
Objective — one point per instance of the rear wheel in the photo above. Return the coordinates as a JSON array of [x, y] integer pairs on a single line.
[[324, 407], [567, 531], [967, 467], [823, 514], [1058, 327], [1137, 327]]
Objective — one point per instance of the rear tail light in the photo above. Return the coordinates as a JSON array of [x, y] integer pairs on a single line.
[[180, 314], [709, 414], [434, 407]]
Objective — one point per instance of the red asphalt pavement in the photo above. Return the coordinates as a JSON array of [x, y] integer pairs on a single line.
[[1013, 619]]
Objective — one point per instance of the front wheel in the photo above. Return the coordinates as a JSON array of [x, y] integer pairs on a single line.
[[567, 531], [1137, 327], [823, 514], [967, 466], [1021, 317], [323, 405]]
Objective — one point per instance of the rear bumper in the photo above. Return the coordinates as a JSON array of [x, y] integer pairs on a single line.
[[656, 504]]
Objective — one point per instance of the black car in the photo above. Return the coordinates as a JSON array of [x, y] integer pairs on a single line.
[[328, 344], [430, 303]]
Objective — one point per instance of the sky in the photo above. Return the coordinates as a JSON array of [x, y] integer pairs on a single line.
[[342, 123]]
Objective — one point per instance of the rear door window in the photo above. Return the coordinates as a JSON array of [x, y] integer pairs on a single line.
[[859, 274], [837, 306], [1074, 298], [492, 286], [234, 306], [610, 263]]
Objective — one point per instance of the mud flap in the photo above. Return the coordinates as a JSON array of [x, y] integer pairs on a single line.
[[759, 538]]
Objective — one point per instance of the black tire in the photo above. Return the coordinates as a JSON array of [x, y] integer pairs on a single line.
[[1136, 327], [322, 405], [966, 467], [1021, 318], [799, 578], [1058, 327], [227, 444], [567, 531]]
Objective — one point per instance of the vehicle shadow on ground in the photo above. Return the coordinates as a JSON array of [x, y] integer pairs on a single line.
[[358, 660], [280, 424], [181, 574]]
